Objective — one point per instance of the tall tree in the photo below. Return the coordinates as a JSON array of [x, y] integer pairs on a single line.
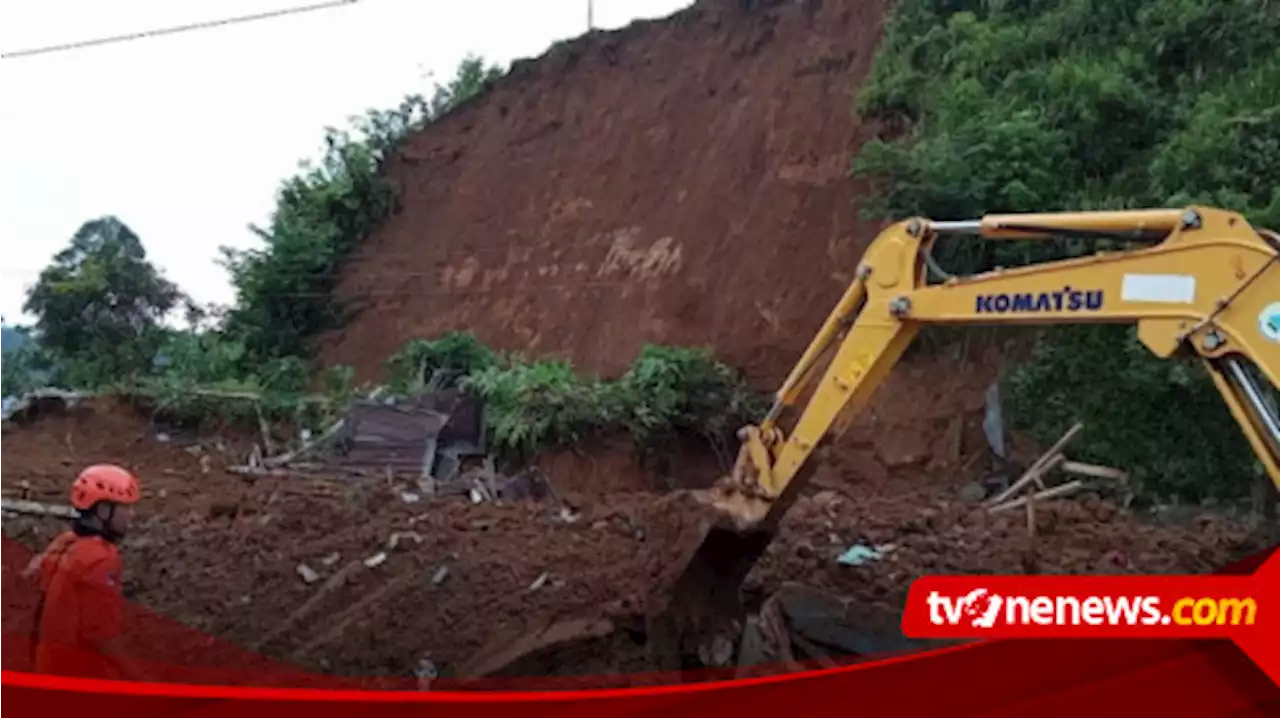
[[100, 304]]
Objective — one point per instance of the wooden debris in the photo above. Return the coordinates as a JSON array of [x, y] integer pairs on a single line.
[[36, 508], [1055, 492], [399, 536], [1031, 517], [308, 447], [335, 581], [343, 620], [539, 582], [1093, 470], [1034, 474]]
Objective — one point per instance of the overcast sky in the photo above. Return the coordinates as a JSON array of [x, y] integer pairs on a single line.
[[186, 137]]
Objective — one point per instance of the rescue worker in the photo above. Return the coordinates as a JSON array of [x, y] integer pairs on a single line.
[[78, 619]]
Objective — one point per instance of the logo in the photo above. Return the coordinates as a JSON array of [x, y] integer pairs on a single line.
[[1269, 322], [979, 607], [1066, 299]]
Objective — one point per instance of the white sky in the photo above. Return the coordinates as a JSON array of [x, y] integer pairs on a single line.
[[186, 137]]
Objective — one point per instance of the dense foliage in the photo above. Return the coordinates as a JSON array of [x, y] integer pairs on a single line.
[[1041, 105], [284, 289], [667, 394], [100, 307]]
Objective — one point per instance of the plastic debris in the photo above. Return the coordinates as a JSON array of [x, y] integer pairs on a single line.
[[860, 554]]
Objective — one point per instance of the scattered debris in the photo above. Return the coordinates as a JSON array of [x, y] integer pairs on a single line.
[[860, 554], [1060, 490], [440, 575], [36, 508], [33, 401], [539, 582], [376, 560], [307, 573], [426, 671], [395, 538], [331, 559], [409, 497], [334, 583]]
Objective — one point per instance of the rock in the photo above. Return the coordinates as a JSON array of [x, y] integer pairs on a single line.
[[307, 573], [827, 500], [540, 581]]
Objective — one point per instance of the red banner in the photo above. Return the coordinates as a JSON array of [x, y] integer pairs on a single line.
[[1195, 671], [1245, 609]]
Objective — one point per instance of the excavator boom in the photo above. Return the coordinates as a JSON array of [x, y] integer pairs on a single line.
[[1202, 283]]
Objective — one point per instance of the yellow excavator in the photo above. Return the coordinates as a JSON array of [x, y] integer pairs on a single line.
[[1201, 282]]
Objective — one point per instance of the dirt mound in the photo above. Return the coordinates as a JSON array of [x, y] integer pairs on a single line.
[[680, 181], [222, 554], [448, 579]]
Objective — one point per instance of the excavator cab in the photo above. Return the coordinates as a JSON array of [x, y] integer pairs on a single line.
[[1197, 281]]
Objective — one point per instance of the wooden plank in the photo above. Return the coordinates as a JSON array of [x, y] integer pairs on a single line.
[[1036, 471], [1052, 455], [1093, 470], [1055, 492], [36, 508]]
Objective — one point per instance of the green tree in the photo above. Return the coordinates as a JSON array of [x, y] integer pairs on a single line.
[[100, 304], [470, 79], [18, 361], [284, 288], [1042, 105]]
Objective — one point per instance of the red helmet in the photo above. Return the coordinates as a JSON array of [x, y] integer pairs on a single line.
[[104, 482]]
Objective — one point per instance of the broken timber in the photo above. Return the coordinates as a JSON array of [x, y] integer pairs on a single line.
[[36, 508]]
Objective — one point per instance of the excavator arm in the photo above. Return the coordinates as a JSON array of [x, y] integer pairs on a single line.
[[1204, 283]]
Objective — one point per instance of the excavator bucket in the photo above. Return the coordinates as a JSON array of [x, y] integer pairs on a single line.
[[707, 598]]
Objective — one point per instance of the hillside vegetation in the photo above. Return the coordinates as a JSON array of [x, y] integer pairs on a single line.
[[102, 307], [1042, 105]]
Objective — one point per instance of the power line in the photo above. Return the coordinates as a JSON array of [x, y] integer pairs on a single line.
[[174, 30]]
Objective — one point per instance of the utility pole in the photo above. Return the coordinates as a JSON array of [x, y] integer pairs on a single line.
[[590, 20]]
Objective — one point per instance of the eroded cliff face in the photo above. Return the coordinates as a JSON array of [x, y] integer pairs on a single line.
[[681, 181]]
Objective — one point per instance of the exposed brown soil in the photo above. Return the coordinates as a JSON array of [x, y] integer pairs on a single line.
[[681, 181], [220, 554]]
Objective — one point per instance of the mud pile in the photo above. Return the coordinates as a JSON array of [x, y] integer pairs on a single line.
[[681, 181], [450, 578], [222, 554]]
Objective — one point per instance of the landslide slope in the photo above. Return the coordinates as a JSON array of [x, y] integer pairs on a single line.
[[680, 181]]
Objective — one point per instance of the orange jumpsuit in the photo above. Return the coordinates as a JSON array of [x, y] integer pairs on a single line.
[[82, 603]]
